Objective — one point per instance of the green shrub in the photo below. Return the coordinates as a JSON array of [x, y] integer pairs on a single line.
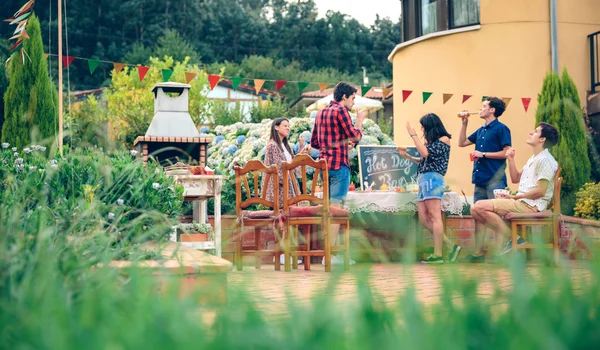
[[587, 205]]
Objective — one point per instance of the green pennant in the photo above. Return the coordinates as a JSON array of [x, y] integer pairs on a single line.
[[166, 73], [426, 96], [364, 90], [483, 98], [93, 64], [302, 85], [235, 82]]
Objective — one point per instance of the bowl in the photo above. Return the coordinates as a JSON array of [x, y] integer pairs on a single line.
[[498, 192]]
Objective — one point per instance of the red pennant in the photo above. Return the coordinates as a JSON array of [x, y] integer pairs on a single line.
[[142, 70], [405, 94], [213, 80], [279, 84], [526, 101], [67, 60], [466, 97]]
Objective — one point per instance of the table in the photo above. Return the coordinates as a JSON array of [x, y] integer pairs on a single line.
[[395, 202]]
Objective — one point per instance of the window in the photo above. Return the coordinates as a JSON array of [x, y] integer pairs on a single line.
[[428, 16], [464, 13]]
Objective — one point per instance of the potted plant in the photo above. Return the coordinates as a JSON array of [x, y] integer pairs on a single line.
[[195, 232]]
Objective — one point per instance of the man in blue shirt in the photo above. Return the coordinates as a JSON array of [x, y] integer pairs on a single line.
[[491, 141]]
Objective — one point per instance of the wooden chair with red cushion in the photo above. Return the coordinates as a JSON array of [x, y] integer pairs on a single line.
[[319, 213], [521, 222], [259, 219]]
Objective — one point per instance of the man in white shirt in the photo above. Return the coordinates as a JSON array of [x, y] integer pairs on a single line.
[[536, 185]]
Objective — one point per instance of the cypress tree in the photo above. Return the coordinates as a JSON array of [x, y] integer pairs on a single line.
[[31, 102]]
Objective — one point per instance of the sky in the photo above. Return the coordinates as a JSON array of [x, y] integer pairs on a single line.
[[362, 10]]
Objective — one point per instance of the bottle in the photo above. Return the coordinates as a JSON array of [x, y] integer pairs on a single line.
[[465, 114], [384, 187]]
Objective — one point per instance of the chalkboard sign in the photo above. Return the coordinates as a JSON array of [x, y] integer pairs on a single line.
[[384, 165]]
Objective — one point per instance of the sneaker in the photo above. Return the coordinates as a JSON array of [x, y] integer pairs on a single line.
[[337, 260], [454, 253], [433, 260], [507, 247], [475, 258]]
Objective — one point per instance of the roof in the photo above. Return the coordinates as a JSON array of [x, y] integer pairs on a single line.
[[80, 95], [264, 93]]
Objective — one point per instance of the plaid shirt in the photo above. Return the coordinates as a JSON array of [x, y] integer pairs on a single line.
[[333, 129]]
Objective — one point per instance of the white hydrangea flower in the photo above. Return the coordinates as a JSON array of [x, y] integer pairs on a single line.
[[156, 186], [5, 145], [111, 216], [133, 152], [120, 201]]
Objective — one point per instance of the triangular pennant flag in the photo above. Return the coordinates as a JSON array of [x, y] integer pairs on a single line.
[[24, 34], [506, 101], [426, 96], [189, 76], [323, 87], [46, 55], [483, 98], [166, 73], [258, 84], [118, 67], [16, 45], [364, 90], [466, 97], [93, 64], [213, 80], [21, 17], [405, 94], [446, 97], [235, 82], [67, 60], [302, 85], [526, 101], [25, 7], [279, 84], [385, 93], [142, 70]]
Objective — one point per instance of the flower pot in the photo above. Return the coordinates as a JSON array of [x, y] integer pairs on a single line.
[[193, 237]]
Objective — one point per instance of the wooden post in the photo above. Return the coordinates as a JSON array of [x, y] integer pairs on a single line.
[[60, 81]]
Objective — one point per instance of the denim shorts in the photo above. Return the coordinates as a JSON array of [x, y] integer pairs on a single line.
[[487, 191], [339, 182], [431, 186]]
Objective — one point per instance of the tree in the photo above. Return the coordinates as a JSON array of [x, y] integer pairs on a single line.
[[31, 99], [171, 44], [3, 80], [559, 105]]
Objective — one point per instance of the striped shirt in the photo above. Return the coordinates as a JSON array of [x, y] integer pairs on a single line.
[[333, 129]]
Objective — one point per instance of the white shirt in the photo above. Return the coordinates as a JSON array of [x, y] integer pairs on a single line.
[[287, 154], [539, 167]]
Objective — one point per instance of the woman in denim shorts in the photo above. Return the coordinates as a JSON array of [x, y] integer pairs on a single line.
[[433, 165]]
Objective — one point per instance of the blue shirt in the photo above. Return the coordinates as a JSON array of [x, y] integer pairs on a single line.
[[492, 137]]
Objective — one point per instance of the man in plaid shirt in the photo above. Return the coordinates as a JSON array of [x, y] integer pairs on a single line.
[[332, 135]]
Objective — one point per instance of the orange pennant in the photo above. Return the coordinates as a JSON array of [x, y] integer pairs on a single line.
[[189, 76], [24, 34], [323, 87], [258, 84], [446, 97], [46, 55], [385, 92], [506, 101], [118, 67], [213, 80]]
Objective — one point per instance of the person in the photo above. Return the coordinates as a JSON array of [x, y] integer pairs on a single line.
[[491, 141], [536, 186], [302, 146], [331, 135], [433, 165]]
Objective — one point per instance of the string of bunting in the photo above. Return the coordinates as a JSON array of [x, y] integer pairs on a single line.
[[214, 79], [20, 19]]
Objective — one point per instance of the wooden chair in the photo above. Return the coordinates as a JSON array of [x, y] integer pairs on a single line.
[[550, 218], [319, 214], [257, 219]]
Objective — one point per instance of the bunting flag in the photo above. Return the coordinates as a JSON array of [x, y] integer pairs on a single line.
[[93, 64], [446, 97], [364, 90], [526, 101], [323, 87], [302, 85], [166, 74], [385, 92], [426, 96], [405, 94], [24, 34], [506, 101], [258, 84], [279, 84], [142, 70], [118, 67], [189, 76], [67, 60], [483, 98], [46, 55], [213, 80], [466, 97], [17, 45], [235, 82]]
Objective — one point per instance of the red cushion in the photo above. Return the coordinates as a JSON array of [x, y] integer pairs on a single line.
[[546, 214], [316, 210], [259, 214]]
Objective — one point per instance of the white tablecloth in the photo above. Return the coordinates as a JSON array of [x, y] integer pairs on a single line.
[[390, 201]]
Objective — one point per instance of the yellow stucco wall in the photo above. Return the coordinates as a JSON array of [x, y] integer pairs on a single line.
[[507, 57]]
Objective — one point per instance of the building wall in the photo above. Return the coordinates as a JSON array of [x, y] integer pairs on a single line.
[[507, 56]]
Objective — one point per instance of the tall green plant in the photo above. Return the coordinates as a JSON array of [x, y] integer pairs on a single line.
[[559, 105], [31, 99]]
